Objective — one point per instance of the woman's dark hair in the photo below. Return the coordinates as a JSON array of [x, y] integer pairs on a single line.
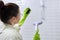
[[8, 11], [1, 5]]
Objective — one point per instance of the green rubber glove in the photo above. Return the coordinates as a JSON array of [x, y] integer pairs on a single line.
[[25, 15], [37, 35]]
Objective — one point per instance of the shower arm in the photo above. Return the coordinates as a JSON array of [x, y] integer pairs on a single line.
[[36, 24], [43, 9]]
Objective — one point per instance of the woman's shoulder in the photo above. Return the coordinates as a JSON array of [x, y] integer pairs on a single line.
[[9, 31], [6, 34], [10, 34]]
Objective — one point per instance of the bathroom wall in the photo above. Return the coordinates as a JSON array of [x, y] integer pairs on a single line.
[[50, 29]]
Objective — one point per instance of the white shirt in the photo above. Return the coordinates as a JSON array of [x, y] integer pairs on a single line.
[[10, 33], [1, 26]]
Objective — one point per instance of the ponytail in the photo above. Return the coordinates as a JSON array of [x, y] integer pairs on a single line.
[[1, 6]]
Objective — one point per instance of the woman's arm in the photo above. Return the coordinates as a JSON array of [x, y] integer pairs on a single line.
[[25, 15]]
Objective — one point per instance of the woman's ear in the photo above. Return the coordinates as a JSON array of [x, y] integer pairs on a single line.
[[13, 20]]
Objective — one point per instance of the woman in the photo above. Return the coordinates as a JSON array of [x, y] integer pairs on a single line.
[[10, 16]]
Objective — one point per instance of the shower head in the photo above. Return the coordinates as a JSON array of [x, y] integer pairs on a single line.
[[38, 23]]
